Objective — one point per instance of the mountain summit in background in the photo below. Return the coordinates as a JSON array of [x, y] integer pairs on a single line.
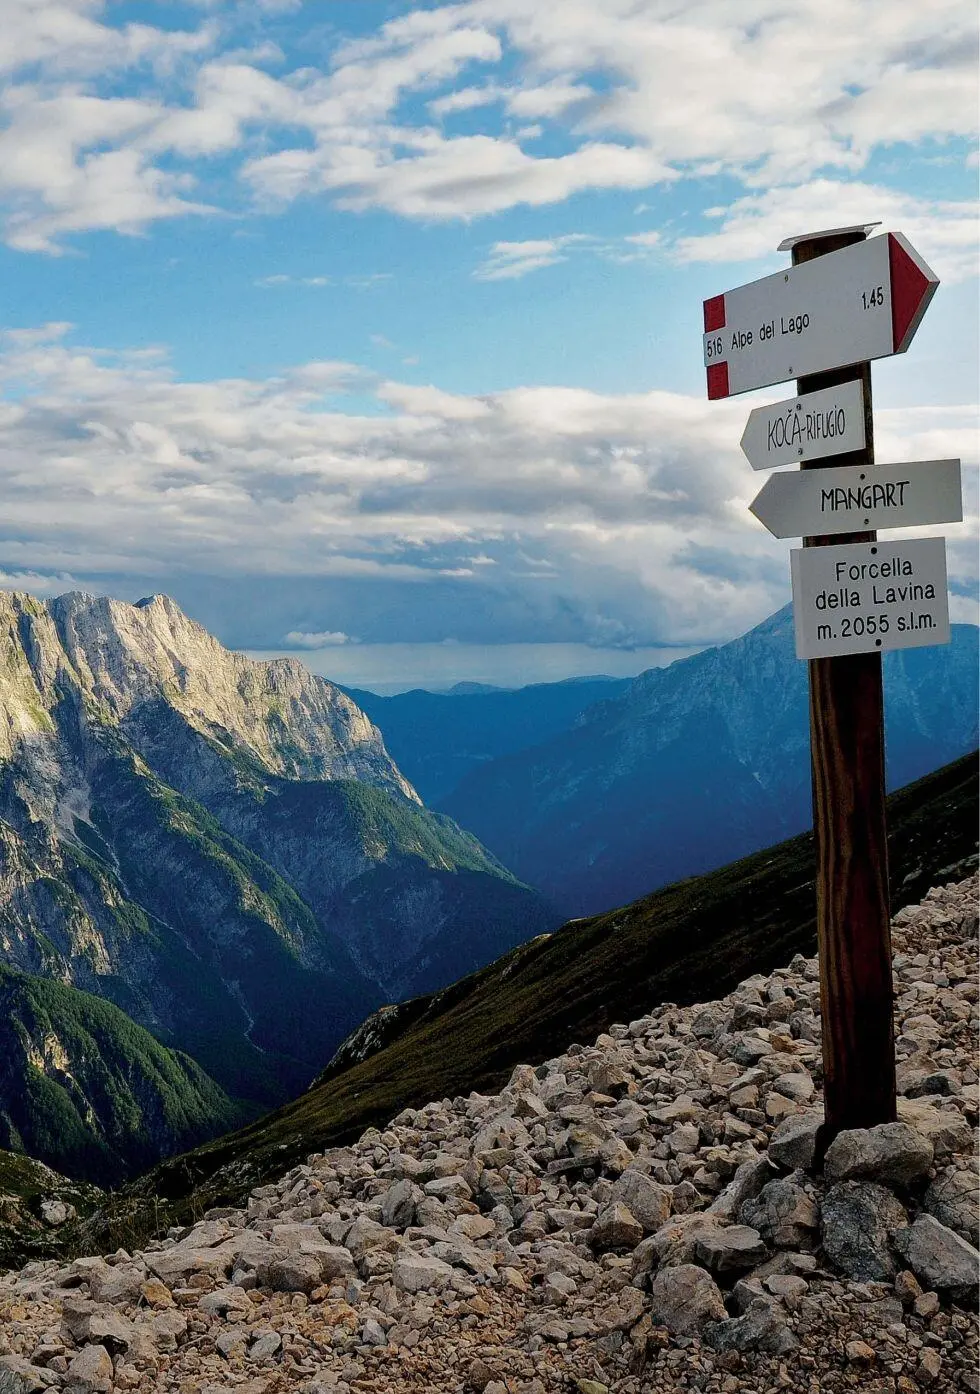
[[220, 847], [696, 764]]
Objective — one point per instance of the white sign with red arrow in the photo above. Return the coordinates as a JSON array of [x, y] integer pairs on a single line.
[[854, 498], [863, 302]]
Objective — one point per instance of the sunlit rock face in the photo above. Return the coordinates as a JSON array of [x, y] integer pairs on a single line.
[[222, 847]]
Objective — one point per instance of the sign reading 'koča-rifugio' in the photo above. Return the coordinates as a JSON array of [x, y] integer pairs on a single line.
[[851, 306], [824, 423]]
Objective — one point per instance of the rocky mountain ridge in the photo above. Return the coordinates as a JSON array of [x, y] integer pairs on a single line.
[[118, 658], [222, 848], [637, 1216], [696, 764]]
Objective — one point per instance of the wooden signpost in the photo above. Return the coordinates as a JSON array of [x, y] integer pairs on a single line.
[[846, 300]]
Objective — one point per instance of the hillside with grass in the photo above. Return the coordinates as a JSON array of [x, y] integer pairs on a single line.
[[86, 1091], [688, 942]]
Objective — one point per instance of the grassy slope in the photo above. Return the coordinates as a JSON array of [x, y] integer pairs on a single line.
[[688, 942], [110, 1099]]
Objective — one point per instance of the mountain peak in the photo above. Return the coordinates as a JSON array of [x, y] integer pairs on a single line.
[[119, 658]]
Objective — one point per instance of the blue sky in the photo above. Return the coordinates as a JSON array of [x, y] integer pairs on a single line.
[[371, 331]]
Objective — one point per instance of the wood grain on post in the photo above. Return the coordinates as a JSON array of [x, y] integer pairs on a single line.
[[848, 760]]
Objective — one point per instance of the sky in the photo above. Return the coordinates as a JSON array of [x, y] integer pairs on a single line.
[[371, 332]]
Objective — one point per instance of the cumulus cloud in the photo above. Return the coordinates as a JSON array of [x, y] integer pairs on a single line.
[[324, 639], [771, 92], [531, 515], [945, 231]]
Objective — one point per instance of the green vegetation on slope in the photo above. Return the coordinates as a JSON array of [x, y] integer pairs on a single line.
[[686, 943], [389, 827], [88, 1091]]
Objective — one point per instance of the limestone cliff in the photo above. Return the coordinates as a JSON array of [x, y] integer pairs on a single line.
[[222, 848]]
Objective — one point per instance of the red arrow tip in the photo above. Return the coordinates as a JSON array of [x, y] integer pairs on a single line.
[[912, 289]]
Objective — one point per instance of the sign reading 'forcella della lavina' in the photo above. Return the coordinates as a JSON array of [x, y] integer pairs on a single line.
[[884, 595]]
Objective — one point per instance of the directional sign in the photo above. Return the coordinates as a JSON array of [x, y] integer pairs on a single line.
[[863, 302], [806, 428], [811, 503], [866, 597]]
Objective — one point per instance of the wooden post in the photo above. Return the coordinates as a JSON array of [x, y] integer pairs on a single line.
[[848, 761]]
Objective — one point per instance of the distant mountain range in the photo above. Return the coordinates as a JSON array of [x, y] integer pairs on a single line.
[[438, 738], [212, 870], [690, 766], [225, 851]]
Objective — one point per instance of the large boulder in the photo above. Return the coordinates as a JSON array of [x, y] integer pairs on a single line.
[[793, 1142], [748, 1181], [891, 1153], [647, 1201], [398, 1204], [784, 1214], [293, 1273], [674, 1243], [684, 1298], [20, 1376], [419, 1272], [762, 1327], [954, 1199], [615, 1228], [857, 1219], [729, 1249], [940, 1259], [946, 1128], [91, 1371]]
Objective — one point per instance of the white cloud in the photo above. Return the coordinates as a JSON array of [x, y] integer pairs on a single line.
[[946, 233], [771, 92], [507, 261], [561, 512], [279, 279], [37, 584], [466, 99], [322, 639]]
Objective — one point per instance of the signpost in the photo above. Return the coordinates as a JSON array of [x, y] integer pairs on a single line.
[[805, 428], [844, 301], [869, 595], [850, 499], [862, 301]]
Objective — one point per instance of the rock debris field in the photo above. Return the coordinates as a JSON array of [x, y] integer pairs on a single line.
[[638, 1215]]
